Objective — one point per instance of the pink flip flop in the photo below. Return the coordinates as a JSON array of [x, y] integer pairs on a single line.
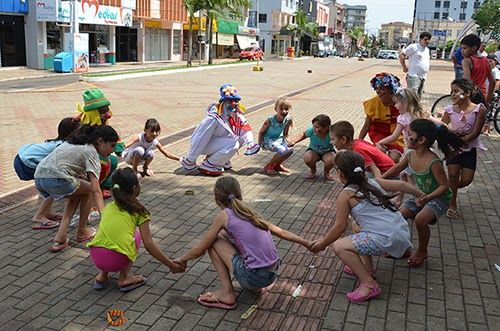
[[354, 296], [86, 238], [215, 303], [57, 247], [45, 225]]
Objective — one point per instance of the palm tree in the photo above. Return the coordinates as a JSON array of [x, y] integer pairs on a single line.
[[192, 6], [301, 26], [356, 34]]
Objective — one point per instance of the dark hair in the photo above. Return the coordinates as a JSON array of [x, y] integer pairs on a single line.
[[349, 161], [448, 142], [152, 124], [87, 134], [468, 86], [492, 57], [471, 40], [425, 34], [323, 120], [343, 129], [126, 188], [65, 128]]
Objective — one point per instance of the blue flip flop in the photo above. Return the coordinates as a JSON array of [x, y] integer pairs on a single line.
[[140, 280], [100, 285]]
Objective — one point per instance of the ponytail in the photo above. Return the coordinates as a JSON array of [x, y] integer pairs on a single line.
[[448, 141], [126, 188]]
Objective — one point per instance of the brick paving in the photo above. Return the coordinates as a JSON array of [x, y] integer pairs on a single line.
[[457, 289]]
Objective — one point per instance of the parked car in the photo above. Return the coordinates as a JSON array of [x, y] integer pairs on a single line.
[[252, 53], [322, 53], [387, 54]]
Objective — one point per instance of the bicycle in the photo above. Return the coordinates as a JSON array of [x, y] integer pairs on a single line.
[[492, 112]]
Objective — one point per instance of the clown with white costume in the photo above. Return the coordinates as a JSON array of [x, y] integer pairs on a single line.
[[222, 132]]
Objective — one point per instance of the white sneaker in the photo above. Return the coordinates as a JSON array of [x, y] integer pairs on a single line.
[[187, 164], [209, 169], [252, 149]]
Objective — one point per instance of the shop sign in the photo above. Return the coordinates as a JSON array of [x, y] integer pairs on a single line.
[[78, 45], [247, 30], [92, 13], [152, 24], [46, 11], [224, 39], [196, 20]]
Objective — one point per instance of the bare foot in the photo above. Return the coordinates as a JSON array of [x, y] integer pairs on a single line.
[[222, 296], [311, 175], [134, 279], [147, 172], [328, 177]]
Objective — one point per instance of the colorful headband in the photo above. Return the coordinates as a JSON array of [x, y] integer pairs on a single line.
[[384, 79]]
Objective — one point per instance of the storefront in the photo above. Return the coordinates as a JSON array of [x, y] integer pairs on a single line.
[[12, 32], [126, 44], [247, 37], [53, 19], [199, 35], [226, 46]]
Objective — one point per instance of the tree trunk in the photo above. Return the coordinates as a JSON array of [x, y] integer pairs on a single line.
[[210, 32], [297, 48], [190, 41]]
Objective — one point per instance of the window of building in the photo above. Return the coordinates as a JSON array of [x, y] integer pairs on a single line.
[[446, 4], [437, 4], [463, 4], [445, 16], [436, 15], [262, 18], [462, 17], [273, 46], [176, 49], [477, 4]]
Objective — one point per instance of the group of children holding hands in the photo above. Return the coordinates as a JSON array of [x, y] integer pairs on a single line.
[[239, 241]]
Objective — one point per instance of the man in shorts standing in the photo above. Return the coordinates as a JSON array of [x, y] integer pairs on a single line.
[[418, 55]]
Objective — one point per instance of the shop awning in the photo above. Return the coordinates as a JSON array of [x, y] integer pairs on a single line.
[[245, 41]]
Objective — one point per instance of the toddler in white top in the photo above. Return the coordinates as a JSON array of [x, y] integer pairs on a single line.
[[140, 148]]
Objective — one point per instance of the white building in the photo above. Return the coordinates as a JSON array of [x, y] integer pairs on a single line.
[[271, 17]]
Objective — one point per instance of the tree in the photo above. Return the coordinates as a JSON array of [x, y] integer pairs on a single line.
[[356, 34], [302, 26], [487, 17], [191, 6]]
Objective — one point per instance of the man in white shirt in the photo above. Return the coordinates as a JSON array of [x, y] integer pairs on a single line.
[[419, 61]]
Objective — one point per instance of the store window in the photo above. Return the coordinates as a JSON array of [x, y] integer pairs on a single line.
[[436, 15], [437, 4], [273, 46], [54, 41], [157, 45], [176, 47], [462, 17]]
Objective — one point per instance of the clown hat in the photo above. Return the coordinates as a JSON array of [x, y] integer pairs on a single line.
[[94, 99], [385, 79], [228, 92]]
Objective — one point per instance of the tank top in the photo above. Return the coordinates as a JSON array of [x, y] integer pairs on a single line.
[[255, 245], [479, 72], [147, 145], [275, 129], [462, 122], [388, 228], [425, 180]]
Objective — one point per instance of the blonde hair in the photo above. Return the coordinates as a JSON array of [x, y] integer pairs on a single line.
[[227, 193], [414, 108], [282, 103]]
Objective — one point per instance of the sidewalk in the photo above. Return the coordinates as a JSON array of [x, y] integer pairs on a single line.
[[456, 289]]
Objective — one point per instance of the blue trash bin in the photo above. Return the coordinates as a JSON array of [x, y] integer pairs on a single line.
[[63, 62]]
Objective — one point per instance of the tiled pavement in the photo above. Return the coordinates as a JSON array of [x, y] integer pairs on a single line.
[[457, 288]]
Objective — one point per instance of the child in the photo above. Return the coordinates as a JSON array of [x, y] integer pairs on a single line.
[[376, 162], [26, 161], [274, 134], [115, 245], [60, 174], [252, 259], [467, 119], [477, 68], [382, 230], [140, 148], [430, 177], [320, 146]]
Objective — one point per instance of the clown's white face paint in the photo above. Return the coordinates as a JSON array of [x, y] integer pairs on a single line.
[[230, 106]]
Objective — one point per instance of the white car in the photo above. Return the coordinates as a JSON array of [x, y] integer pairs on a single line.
[[387, 54]]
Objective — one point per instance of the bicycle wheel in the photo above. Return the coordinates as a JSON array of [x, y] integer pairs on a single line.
[[496, 120], [439, 104]]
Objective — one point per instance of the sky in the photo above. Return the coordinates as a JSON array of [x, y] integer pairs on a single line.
[[384, 11]]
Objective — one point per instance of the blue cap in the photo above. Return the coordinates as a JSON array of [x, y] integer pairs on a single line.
[[228, 92]]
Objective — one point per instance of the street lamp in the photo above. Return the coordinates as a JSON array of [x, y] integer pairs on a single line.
[[448, 19]]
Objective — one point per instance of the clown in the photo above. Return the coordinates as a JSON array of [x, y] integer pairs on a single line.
[[381, 113], [220, 135], [95, 112]]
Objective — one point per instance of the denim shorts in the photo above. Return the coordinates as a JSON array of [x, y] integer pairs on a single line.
[[365, 244], [56, 188], [321, 154], [437, 206], [279, 146], [22, 170], [251, 279]]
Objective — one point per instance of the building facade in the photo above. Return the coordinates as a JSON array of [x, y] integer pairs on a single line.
[[271, 19], [395, 35], [355, 17], [443, 19], [12, 32]]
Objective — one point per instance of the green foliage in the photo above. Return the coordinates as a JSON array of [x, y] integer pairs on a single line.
[[488, 18]]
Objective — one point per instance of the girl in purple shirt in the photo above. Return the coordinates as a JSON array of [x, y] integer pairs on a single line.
[[239, 241]]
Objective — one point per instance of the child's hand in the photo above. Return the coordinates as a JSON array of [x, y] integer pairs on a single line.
[[381, 147], [178, 266], [317, 246], [422, 200]]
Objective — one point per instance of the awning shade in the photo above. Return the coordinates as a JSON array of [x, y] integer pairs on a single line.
[[245, 41]]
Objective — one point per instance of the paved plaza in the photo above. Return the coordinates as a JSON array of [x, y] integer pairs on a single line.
[[457, 289]]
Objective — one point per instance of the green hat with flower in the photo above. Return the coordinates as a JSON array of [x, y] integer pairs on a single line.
[[94, 99]]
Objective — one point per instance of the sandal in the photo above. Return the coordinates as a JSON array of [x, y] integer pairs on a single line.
[[354, 296], [87, 237], [57, 246], [452, 214], [45, 225], [139, 281], [211, 301], [349, 271]]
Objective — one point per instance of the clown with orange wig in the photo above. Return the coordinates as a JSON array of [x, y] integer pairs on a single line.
[[222, 132]]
